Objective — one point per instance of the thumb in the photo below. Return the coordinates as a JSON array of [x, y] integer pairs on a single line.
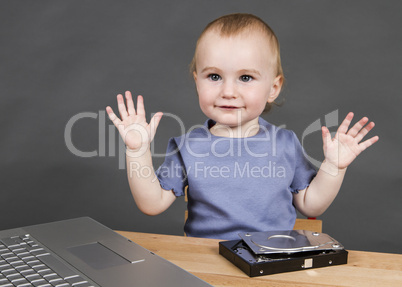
[[154, 123], [326, 138]]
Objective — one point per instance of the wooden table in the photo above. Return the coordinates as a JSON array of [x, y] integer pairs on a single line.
[[200, 257]]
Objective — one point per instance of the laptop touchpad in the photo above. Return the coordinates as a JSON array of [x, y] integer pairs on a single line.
[[98, 256]]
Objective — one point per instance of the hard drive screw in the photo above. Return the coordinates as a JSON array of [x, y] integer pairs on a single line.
[[248, 234], [315, 234], [335, 245], [330, 262], [261, 271]]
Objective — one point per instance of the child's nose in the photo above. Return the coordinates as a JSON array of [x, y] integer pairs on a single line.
[[229, 90]]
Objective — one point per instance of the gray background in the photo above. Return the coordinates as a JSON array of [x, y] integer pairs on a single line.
[[60, 59]]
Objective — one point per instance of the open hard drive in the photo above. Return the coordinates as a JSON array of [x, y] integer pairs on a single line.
[[270, 252]]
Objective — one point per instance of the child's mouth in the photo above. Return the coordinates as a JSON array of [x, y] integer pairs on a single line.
[[229, 107]]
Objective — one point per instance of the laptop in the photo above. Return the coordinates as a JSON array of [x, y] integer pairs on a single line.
[[82, 252]]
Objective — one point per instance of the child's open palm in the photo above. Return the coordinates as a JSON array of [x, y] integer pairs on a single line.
[[341, 150], [133, 127]]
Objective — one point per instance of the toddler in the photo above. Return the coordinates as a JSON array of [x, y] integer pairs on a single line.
[[242, 173]]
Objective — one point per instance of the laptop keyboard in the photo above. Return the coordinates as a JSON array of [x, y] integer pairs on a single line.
[[23, 263]]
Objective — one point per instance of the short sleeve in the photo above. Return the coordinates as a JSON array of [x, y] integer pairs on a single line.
[[304, 170], [172, 173]]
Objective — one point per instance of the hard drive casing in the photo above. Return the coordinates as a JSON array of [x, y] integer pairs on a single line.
[[241, 255]]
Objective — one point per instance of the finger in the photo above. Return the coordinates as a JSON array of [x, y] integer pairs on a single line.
[[112, 116], [343, 128], [357, 127], [154, 123], [130, 103], [326, 138], [363, 132], [121, 106], [140, 106], [368, 143]]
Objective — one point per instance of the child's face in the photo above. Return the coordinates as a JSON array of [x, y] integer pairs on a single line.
[[235, 77]]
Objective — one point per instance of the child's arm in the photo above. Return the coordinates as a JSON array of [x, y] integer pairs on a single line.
[[339, 153], [137, 134]]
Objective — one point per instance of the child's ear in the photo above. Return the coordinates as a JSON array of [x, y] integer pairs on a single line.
[[195, 76], [275, 89]]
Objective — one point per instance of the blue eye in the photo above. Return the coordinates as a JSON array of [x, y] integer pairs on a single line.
[[246, 78], [214, 77]]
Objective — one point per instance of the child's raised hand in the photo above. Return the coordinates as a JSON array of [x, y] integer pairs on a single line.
[[341, 150], [133, 127]]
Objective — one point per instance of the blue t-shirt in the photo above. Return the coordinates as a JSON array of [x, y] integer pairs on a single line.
[[236, 184]]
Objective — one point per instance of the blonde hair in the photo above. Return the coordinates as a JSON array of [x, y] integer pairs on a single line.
[[234, 24]]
